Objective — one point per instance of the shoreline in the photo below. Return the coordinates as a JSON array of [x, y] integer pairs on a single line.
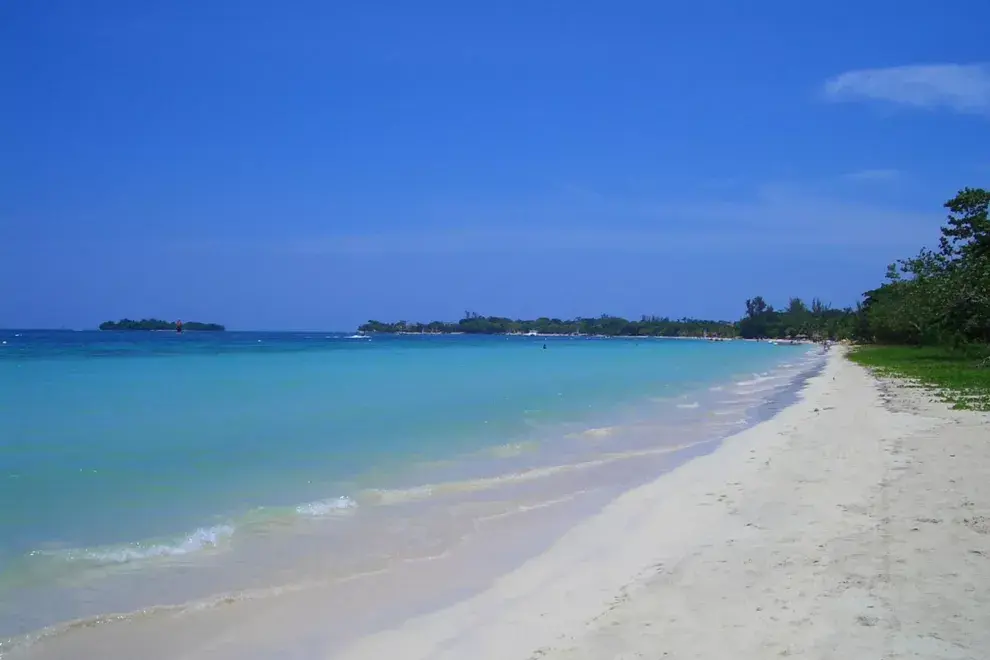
[[581, 575], [541, 519], [814, 533]]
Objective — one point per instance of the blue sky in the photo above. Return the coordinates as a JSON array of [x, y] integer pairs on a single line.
[[314, 164]]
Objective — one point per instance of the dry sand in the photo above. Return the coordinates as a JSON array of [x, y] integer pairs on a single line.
[[855, 524]]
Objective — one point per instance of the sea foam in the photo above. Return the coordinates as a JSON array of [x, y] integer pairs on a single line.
[[201, 539], [333, 506]]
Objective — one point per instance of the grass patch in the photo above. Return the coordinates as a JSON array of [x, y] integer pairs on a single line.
[[960, 377]]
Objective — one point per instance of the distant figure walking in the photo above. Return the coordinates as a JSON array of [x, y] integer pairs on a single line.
[[178, 326]]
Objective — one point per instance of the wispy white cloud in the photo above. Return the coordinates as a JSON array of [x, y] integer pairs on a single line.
[[873, 175], [959, 87]]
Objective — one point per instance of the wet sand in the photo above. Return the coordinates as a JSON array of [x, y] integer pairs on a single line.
[[308, 604], [855, 524]]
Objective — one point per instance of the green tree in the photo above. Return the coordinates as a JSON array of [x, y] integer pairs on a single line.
[[966, 234], [938, 297]]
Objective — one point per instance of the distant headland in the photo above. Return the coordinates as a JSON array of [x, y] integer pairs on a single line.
[[158, 324], [796, 321], [613, 326]]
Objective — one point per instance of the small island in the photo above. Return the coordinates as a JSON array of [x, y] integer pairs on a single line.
[[158, 324]]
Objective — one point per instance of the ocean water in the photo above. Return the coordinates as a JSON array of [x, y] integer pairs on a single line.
[[140, 470]]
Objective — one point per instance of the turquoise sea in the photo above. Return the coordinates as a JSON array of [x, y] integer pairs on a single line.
[[148, 469]]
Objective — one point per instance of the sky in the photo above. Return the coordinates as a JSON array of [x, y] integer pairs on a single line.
[[312, 165]]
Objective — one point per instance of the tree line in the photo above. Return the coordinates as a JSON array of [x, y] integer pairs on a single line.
[[604, 325], [798, 320], [938, 297]]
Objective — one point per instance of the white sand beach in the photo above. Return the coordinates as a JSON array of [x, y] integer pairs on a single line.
[[854, 524]]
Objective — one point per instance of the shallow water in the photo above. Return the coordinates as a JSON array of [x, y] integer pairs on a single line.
[[155, 470]]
